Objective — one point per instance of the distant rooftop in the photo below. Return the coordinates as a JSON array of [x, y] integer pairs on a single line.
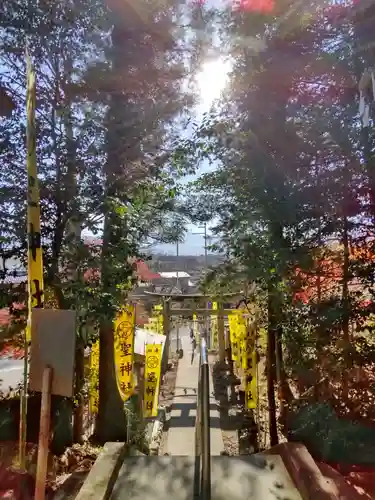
[[174, 274]]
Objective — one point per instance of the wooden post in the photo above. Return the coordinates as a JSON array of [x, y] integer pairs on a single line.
[[44, 435], [23, 407]]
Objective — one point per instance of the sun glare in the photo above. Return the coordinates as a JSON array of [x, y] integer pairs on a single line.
[[211, 81]]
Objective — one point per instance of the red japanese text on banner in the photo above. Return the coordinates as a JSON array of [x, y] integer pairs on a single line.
[[214, 326], [232, 318], [94, 378], [152, 379], [251, 393], [124, 327]]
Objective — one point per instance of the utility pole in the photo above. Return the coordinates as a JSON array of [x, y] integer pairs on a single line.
[[206, 237], [205, 247]]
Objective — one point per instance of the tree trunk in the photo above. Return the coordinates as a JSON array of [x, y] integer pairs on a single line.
[[275, 370], [345, 305], [78, 428], [345, 284], [271, 369], [111, 419], [73, 236]]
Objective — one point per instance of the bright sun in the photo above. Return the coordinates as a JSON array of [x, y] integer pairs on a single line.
[[212, 80]]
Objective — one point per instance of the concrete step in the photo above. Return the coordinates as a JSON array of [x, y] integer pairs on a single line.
[[285, 472], [233, 478]]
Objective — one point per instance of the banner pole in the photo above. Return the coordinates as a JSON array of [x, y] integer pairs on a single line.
[[35, 286]]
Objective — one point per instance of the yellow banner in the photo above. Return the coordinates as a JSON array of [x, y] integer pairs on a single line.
[[241, 339], [155, 322], [94, 378], [232, 318], [124, 327], [152, 380], [242, 334], [195, 326], [34, 248], [158, 318], [195, 323], [214, 326], [251, 395], [248, 345]]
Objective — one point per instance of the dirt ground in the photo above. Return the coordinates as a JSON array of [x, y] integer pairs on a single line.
[[65, 473], [244, 432], [238, 426], [75, 464], [72, 469]]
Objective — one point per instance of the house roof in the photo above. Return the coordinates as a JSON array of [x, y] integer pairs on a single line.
[[144, 272], [173, 274]]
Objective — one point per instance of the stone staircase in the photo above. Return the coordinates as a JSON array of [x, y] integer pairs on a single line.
[[286, 472], [232, 478]]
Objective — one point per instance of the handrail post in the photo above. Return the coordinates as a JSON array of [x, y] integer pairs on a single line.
[[205, 423]]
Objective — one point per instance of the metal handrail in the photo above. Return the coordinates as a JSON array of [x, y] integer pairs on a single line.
[[203, 423]]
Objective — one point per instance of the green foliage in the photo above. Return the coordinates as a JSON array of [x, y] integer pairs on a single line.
[[331, 439], [109, 101], [290, 191]]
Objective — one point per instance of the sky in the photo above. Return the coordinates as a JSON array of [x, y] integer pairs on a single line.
[[211, 81]]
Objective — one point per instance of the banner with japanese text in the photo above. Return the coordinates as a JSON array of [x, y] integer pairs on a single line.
[[250, 366], [195, 326], [153, 324], [214, 326], [241, 338], [152, 379], [94, 378], [34, 247], [158, 317], [251, 339], [248, 345], [232, 319], [124, 327], [251, 393]]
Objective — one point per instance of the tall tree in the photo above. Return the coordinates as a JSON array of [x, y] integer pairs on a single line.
[[141, 85], [109, 95], [286, 140]]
